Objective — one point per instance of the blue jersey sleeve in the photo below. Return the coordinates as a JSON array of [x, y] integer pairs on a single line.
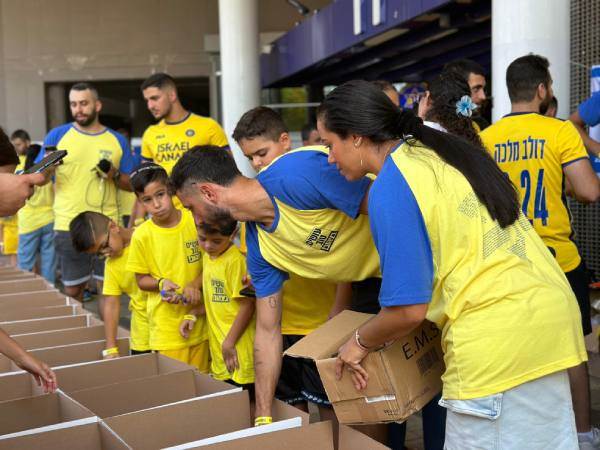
[[267, 279], [53, 139], [127, 163], [305, 180], [589, 111], [401, 238]]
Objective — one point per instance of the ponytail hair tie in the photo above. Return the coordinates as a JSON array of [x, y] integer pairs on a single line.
[[465, 106], [409, 124]]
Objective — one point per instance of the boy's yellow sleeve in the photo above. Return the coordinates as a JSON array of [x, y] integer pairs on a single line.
[[111, 282], [136, 262]]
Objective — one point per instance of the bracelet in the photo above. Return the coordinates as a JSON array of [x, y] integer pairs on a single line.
[[110, 351], [357, 339], [263, 420], [160, 280], [191, 317]]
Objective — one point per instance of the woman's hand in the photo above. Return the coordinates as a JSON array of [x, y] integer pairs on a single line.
[[349, 358]]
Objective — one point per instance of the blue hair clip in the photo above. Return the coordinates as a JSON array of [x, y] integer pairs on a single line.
[[465, 106]]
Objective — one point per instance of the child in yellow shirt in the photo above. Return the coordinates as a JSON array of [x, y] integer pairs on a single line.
[[167, 263], [97, 234], [230, 315]]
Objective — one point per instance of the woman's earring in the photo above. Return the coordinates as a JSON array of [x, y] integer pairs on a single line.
[[360, 153]]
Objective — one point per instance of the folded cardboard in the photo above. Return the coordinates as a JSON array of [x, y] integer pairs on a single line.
[[37, 412], [55, 338], [403, 377], [11, 302], [68, 354], [48, 324], [136, 395], [25, 285], [90, 436], [84, 375], [16, 276], [40, 312], [192, 420]]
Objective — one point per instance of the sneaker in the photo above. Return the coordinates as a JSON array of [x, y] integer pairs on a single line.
[[589, 441], [87, 296]]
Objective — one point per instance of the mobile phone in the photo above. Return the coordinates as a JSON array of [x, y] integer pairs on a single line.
[[248, 291], [49, 160]]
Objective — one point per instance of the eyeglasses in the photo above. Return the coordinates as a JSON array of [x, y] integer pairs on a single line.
[[105, 245]]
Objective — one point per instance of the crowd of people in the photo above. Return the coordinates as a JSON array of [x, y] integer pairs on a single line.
[[410, 215]]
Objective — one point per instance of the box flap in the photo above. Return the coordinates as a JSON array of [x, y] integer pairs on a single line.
[[44, 324], [34, 313], [351, 439], [326, 340]]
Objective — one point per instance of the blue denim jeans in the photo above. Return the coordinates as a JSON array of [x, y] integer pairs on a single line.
[[40, 241]]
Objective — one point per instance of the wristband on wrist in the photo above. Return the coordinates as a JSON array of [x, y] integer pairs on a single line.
[[110, 351], [263, 420], [191, 317], [160, 282]]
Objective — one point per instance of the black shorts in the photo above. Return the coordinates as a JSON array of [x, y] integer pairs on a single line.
[[299, 380], [579, 280], [246, 387], [365, 296]]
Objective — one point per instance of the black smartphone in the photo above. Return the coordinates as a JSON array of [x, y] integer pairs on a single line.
[[248, 291], [49, 160]]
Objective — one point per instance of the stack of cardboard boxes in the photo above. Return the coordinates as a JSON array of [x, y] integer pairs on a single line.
[[133, 402]]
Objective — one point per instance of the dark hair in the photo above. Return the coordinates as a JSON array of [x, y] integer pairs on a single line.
[[159, 80], [204, 163], [224, 226], [307, 129], [553, 103], [446, 90], [85, 86], [465, 67], [524, 75], [384, 85], [85, 228], [8, 154], [20, 134], [147, 173], [358, 107], [32, 153], [260, 122]]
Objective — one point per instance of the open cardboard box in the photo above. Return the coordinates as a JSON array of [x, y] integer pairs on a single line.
[[48, 324], [195, 419], [93, 435], [403, 377], [135, 395], [68, 354], [55, 338], [79, 376], [41, 312], [38, 412], [25, 285]]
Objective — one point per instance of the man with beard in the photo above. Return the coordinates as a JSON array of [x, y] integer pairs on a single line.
[[538, 153], [474, 76], [96, 166], [178, 130]]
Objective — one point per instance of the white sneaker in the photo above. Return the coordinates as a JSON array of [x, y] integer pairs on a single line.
[[590, 442]]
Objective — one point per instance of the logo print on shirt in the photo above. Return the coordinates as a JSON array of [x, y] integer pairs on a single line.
[[219, 295], [190, 133], [321, 239], [192, 251]]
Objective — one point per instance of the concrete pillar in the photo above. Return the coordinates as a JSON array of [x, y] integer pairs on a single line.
[[520, 27], [213, 88], [240, 68], [57, 105]]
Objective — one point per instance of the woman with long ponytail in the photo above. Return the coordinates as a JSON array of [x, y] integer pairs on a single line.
[[455, 249]]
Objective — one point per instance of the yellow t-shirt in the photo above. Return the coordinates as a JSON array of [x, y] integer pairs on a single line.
[[118, 281], [221, 284], [165, 143], [171, 253], [38, 210], [533, 149], [77, 187], [505, 308], [306, 304]]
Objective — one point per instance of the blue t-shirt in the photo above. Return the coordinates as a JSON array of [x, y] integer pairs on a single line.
[[589, 111], [401, 239], [302, 180]]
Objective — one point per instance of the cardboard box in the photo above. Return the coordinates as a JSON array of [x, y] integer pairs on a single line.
[[26, 285], [404, 377], [40, 312], [192, 420], [76, 377], [68, 354], [16, 276], [13, 302], [90, 436], [38, 412], [48, 324], [136, 395], [55, 338]]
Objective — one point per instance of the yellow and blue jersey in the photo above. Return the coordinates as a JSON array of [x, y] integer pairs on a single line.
[[317, 232], [77, 187], [532, 151], [506, 312]]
